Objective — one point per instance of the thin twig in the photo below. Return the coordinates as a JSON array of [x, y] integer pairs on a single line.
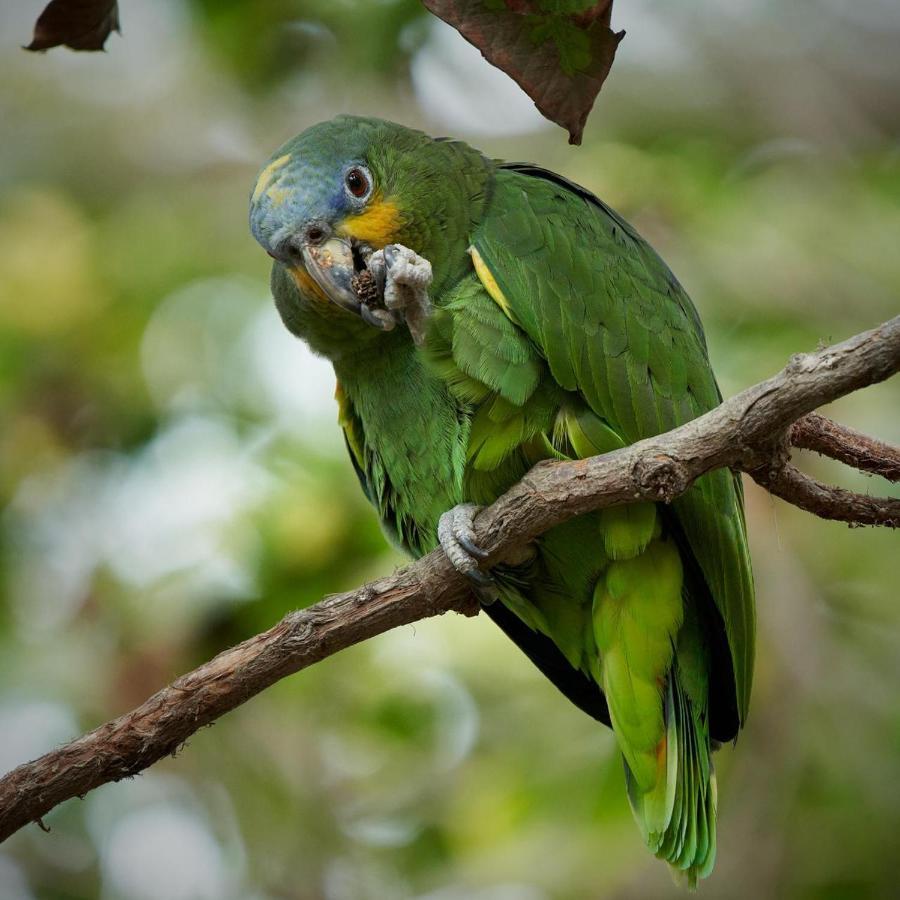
[[747, 432], [822, 435], [828, 501]]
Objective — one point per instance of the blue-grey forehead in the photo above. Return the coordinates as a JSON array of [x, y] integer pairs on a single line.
[[292, 176], [312, 162], [304, 179]]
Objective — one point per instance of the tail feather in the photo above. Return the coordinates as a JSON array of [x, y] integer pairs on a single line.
[[653, 665], [711, 798], [678, 817], [693, 793], [654, 809]]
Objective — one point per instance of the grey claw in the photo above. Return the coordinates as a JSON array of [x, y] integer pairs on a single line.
[[479, 578], [471, 548], [390, 255], [379, 318], [457, 537]]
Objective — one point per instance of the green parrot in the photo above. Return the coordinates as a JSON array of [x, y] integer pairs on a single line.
[[482, 316]]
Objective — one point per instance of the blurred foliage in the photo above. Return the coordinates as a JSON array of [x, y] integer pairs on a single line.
[[172, 479], [265, 41]]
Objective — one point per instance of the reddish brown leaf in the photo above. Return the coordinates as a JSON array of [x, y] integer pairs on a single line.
[[79, 24], [560, 59]]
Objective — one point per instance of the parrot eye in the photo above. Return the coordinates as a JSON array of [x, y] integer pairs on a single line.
[[357, 181]]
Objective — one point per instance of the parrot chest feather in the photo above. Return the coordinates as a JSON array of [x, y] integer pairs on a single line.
[[407, 436]]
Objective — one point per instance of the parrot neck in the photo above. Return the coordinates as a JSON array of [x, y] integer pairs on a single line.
[[375, 352], [328, 330]]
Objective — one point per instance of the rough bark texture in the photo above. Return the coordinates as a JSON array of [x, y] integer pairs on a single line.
[[751, 432], [815, 432]]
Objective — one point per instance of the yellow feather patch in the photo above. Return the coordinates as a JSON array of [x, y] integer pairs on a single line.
[[277, 196], [306, 284], [378, 225], [489, 282], [346, 421], [267, 174]]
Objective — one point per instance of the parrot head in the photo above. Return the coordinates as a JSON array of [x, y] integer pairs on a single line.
[[331, 196]]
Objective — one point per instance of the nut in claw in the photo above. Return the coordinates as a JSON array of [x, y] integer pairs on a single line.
[[365, 286]]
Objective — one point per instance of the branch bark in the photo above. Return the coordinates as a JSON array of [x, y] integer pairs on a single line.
[[750, 432], [826, 501], [815, 432]]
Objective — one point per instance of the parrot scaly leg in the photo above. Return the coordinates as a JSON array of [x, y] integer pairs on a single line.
[[457, 537], [406, 278], [399, 278]]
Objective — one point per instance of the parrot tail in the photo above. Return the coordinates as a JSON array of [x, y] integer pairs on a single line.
[[677, 817]]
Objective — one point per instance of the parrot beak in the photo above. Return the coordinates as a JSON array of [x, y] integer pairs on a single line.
[[332, 266]]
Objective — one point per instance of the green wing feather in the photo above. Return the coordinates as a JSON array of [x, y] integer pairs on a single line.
[[607, 589], [615, 327]]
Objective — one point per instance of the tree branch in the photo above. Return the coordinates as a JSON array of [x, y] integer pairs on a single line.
[[815, 432], [826, 501], [749, 432]]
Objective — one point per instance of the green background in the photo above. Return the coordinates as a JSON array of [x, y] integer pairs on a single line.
[[172, 478]]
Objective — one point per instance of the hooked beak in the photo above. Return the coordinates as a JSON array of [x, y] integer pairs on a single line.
[[332, 266], [339, 267]]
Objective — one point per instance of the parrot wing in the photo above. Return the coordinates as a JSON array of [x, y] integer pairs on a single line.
[[617, 329]]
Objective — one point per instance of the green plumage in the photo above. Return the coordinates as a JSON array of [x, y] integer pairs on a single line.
[[557, 332]]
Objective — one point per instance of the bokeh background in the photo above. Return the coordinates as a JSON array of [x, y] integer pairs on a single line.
[[172, 478]]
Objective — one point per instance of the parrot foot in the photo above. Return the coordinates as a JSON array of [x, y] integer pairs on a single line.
[[406, 277], [457, 536]]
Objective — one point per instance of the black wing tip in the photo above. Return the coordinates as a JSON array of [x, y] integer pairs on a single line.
[[549, 659]]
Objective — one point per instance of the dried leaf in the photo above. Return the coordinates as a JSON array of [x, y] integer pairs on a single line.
[[79, 24], [558, 51]]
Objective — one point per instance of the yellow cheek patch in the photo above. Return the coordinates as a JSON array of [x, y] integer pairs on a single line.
[[377, 225], [489, 283], [306, 285], [267, 174]]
